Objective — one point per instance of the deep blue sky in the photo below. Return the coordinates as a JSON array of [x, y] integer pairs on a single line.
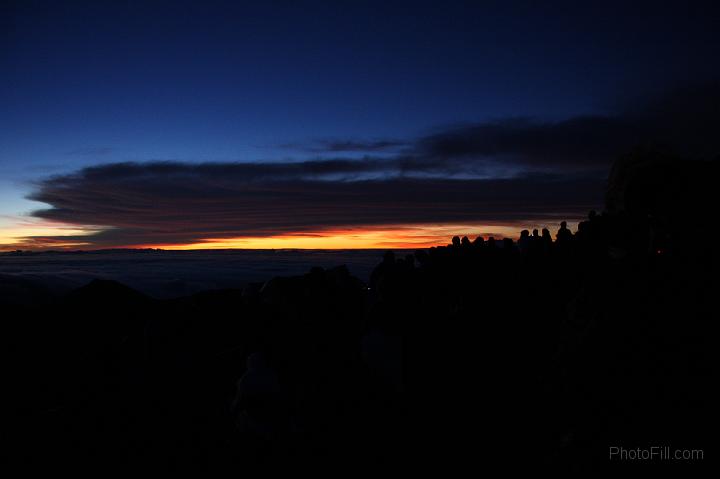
[[87, 83]]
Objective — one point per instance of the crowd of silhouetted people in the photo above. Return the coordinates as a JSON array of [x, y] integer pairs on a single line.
[[538, 352]]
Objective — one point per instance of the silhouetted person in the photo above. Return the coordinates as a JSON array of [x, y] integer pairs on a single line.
[[524, 242], [535, 244], [547, 241], [508, 246], [564, 235]]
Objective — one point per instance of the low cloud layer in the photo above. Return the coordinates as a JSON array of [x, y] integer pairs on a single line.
[[508, 171], [174, 203]]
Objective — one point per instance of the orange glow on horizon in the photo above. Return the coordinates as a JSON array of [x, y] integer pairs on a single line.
[[400, 237], [53, 236]]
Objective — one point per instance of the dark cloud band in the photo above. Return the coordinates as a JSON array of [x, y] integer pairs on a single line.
[[171, 203]]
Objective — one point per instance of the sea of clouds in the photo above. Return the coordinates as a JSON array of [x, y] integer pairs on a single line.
[[167, 274]]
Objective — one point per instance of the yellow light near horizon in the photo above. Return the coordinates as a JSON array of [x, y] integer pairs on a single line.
[[47, 235], [401, 237], [17, 235]]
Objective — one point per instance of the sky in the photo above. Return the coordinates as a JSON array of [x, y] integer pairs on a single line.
[[335, 124]]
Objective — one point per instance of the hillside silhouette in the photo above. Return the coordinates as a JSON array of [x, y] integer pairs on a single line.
[[529, 353]]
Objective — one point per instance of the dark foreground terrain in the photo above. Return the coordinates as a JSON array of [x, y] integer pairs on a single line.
[[538, 353]]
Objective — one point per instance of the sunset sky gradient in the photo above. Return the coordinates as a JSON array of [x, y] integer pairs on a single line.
[[217, 124]]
